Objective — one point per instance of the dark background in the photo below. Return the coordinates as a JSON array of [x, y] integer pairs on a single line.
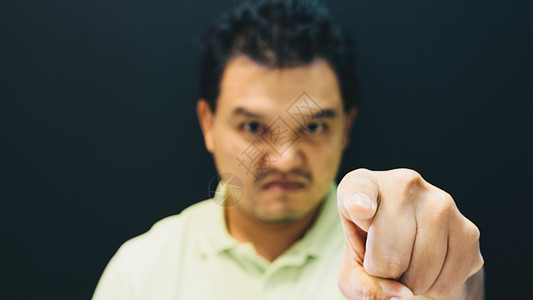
[[99, 138]]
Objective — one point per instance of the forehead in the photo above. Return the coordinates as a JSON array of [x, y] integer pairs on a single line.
[[246, 83]]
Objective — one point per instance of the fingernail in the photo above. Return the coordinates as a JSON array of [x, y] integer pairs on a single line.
[[394, 298], [362, 200]]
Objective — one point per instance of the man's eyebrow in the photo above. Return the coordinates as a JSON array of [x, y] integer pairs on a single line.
[[324, 114], [244, 112]]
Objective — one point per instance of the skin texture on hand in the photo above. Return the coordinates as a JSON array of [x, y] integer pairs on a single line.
[[404, 237]]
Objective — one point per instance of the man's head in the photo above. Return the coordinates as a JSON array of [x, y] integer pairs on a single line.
[[278, 95]]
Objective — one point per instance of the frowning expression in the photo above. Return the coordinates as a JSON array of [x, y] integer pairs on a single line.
[[281, 131]]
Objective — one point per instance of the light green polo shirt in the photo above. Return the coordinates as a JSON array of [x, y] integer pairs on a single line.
[[192, 256]]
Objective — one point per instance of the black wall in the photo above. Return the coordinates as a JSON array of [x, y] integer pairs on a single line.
[[99, 138]]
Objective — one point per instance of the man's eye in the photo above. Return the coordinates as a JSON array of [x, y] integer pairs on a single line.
[[314, 128], [251, 127]]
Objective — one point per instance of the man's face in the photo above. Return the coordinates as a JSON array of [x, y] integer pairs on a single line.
[[284, 145]]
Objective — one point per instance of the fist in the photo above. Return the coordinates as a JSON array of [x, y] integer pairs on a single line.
[[404, 237]]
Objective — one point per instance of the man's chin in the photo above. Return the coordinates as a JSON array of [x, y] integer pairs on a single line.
[[279, 218], [282, 211], [278, 204]]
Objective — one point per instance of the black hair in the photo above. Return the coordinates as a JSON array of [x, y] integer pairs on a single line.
[[278, 34]]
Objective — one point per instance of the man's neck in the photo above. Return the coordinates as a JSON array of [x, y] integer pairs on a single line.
[[269, 239]]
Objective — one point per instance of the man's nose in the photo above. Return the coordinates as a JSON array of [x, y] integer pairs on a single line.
[[288, 159]]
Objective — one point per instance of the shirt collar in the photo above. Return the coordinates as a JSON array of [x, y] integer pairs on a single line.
[[215, 238]]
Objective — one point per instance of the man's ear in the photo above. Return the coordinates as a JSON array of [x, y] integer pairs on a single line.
[[350, 117], [205, 117]]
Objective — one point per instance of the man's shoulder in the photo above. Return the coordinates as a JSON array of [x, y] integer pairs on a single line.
[[168, 233], [176, 222], [148, 264]]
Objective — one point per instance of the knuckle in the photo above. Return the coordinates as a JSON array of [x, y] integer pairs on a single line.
[[447, 202], [407, 176], [473, 232], [443, 206], [408, 182], [411, 283], [446, 198], [385, 267], [478, 264], [478, 260], [417, 284]]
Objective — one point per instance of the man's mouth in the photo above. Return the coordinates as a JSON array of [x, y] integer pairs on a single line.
[[281, 185]]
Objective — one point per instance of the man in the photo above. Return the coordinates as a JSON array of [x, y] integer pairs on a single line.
[[278, 99]]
